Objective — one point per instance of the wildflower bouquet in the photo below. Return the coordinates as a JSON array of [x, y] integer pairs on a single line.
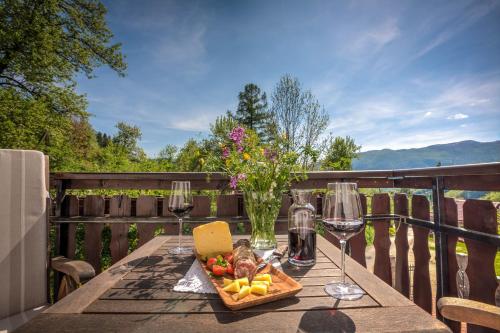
[[262, 172]]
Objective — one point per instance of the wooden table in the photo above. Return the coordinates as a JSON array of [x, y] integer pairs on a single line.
[[135, 295]]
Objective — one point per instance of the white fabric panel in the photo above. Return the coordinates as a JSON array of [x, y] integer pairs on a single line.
[[23, 231]]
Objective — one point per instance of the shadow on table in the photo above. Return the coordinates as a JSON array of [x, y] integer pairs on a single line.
[[125, 267], [331, 321], [235, 316]]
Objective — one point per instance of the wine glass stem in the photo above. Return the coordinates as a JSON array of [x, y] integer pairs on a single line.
[[342, 260], [180, 232]]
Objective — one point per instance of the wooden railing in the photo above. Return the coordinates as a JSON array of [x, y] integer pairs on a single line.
[[417, 213]]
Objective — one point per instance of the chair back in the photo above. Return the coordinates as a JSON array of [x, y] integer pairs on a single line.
[[23, 231]]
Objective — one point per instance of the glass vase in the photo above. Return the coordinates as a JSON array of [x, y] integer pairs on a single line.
[[262, 209]]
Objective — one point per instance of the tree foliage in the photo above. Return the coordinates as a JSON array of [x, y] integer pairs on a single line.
[[340, 153], [252, 110], [44, 44], [299, 116]]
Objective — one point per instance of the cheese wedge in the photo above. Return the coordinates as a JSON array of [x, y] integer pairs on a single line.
[[227, 282], [233, 287], [259, 289], [243, 281], [212, 239], [244, 292], [263, 277]]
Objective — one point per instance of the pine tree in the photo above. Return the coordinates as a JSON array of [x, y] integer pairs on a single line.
[[252, 110]]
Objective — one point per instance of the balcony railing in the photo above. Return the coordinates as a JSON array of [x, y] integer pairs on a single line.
[[474, 277]]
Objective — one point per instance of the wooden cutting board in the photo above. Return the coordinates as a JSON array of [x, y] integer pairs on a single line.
[[283, 286]]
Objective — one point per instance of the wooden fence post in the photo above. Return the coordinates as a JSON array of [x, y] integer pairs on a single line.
[[402, 277], [422, 293], [381, 204]]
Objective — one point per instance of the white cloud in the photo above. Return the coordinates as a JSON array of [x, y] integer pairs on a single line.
[[451, 25], [458, 116], [428, 114], [374, 38]]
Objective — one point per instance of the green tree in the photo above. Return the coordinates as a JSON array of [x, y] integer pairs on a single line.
[[298, 115], [127, 138], [190, 157], [43, 46], [252, 109], [340, 153]]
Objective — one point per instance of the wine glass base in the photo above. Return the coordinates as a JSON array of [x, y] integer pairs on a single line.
[[344, 291], [181, 250]]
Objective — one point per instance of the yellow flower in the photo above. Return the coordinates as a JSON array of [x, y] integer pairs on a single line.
[[246, 156], [262, 151], [228, 162], [202, 161]]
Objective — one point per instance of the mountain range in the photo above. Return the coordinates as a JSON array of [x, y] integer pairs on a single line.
[[463, 152]]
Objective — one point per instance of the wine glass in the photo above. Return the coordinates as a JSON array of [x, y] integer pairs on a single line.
[[180, 203], [343, 217]]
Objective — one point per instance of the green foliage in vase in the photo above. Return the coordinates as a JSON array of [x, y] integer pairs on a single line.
[[254, 166]]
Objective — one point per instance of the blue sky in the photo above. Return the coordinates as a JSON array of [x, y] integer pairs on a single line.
[[391, 74]]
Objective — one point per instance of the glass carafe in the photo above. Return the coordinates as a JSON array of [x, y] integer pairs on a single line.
[[301, 229]]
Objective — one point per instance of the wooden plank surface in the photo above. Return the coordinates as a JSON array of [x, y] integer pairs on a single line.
[[403, 319], [82, 297], [113, 294]]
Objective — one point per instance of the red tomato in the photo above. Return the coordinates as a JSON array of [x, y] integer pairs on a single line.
[[230, 269], [218, 270], [211, 262], [228, 257]]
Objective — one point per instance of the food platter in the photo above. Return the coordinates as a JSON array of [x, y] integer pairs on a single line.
[[283, 286]]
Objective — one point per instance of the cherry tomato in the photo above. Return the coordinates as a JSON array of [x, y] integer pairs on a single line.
[[228, 257], [211, 262], [218, 270], [229, 269]]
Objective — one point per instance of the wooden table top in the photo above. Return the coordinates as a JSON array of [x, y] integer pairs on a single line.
[[136, 295]]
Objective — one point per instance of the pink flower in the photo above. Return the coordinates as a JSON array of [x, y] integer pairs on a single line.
[[233, 182], [225, 152], [237, 135], [240, 148]]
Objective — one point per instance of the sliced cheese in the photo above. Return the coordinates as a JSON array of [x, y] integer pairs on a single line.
[[212, 239]]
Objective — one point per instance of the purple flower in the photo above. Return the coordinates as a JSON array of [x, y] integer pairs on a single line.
[[225, 152], [269, 154], [240, 148], [233, 182], [237, 135]]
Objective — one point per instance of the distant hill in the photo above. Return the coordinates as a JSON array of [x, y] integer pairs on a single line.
[[464, 152]]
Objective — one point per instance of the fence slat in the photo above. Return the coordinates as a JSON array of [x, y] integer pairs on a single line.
[[286, 201], [119, 206], [93, 205], [481, 215], [422, 294], [201, 206], [451, 218], [358, 242], [70, 209], [227, 205], [402, 277], [146, 207], [381, 204]]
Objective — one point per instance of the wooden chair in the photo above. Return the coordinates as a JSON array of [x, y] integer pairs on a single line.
[[472, 312], [24, 247]]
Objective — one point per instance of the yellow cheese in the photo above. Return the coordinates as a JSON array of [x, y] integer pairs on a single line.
[[260, 282], [263, 277], [212, 238], [259, 289], [243, 281], [227, 282], [233, 287], [244, 292]]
